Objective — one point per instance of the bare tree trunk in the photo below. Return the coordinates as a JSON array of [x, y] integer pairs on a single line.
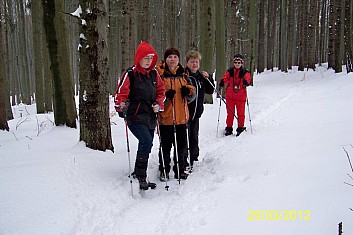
[[37, 23], [283, 62], [303, 36], [221, 59], [64, 104], [5, 35], [322, 32], [261, 38], [143, 22], [271, 26], [252, 37], [127, 35], [331, 39], [23, 58], [291, 33], [114, 49], [348, 29], [95, 128], [312, 29], [338, 36], [208, 38], [3, 86], [15, 86], [232, 28]]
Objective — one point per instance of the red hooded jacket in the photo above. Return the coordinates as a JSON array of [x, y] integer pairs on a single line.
[[142, 87]]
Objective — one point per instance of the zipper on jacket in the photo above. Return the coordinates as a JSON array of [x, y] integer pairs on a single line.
[[197, 95]]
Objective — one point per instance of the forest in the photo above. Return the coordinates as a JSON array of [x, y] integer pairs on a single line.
[[52, 51]]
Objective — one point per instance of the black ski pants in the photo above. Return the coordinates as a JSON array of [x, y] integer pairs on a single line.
[[194, 126], [167, 139]]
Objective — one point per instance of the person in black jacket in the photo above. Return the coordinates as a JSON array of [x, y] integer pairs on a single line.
[[203, 84]]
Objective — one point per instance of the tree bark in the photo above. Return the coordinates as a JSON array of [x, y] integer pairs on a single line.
[[95, 128], [3, 87], [348, 28], [338, 36], [37, 24], [261, 37], [312, 29], [331, 37], [283, 37], [252, 37], [56, 36], [208, 38], [271, 26], [221, 58]]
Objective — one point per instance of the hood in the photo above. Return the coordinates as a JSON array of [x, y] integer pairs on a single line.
[[142, 50]]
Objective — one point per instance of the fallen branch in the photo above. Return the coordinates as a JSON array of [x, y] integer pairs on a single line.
[[350, 163]]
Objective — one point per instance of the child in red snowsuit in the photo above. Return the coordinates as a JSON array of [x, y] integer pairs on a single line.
[[235, 80]]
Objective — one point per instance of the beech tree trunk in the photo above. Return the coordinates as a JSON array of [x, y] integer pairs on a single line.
[[95, 128]]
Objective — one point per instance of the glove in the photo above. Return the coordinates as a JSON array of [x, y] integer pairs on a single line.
[[245, 83], [221, 83], [155, 108], [121, 114], [184, 91], [170, 94], [122, 108]]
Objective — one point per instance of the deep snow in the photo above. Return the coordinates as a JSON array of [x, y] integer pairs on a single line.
[[294, 160]]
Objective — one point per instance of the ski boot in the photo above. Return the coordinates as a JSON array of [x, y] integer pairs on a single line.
[[183, 176], [145, 185], [163, 177], [240, 130], [228, 131]]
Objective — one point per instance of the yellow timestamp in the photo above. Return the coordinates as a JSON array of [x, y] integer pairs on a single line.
[[278, 215]]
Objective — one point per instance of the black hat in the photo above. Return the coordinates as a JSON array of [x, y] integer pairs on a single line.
[[238, 56], [171, 51]]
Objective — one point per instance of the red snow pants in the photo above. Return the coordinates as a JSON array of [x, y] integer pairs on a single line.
[[240, 105]]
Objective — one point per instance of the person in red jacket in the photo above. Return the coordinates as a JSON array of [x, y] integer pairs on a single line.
[[235, 80], [139, 97]]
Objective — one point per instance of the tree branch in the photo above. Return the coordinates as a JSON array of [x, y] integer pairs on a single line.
[[348, 158]]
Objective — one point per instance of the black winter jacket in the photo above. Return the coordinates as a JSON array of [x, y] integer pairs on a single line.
[[202, 87]]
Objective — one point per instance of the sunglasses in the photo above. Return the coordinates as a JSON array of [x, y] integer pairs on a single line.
[[238, 62]]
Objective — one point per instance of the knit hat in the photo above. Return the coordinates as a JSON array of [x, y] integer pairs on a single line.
[[238, 56], [142, 50], [171, 51]]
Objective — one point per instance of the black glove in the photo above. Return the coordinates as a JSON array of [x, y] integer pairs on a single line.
[[121, 114], [184, 91], [221, 83], [170, 94], [245, 83]]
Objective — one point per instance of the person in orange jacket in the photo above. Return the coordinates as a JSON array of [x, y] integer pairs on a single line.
[[139, 97], [179, 91], [235, 80]]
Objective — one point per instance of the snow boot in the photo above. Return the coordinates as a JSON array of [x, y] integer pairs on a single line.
[[183, 176], [240, 130], [163, 177], [228, 131], [144, 185]]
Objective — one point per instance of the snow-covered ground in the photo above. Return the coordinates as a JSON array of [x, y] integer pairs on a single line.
[[286, 177]]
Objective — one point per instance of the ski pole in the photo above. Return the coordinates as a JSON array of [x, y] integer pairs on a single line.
[[160, 150], [187, 135], [128, 152], [247, 102], [220, 95], [219, 113], [175, 141]]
